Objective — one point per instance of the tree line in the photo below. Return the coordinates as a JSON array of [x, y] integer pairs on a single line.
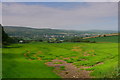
[[5, 39]]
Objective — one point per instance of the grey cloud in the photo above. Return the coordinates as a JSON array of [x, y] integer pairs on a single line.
[[42, 16], [60, 0]]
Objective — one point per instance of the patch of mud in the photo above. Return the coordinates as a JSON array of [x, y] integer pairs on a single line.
[[77, 49], [99, 63], [26, 54], [86, 67], [66, 58], [89, 52], [69, 71], [38, 58], [35, 55], [83, 59]]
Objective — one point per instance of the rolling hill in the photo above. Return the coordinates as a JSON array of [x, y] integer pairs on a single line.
[[34, 33]]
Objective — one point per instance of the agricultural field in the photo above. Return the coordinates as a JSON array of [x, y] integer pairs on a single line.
[[105, 39], [60, 60]]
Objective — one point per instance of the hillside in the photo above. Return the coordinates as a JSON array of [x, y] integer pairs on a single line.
[[34, 33]]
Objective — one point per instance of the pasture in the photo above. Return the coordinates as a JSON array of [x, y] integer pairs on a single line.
[[97, 60], [113, 39]]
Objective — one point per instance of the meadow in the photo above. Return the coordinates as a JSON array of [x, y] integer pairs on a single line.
[[28, 60]]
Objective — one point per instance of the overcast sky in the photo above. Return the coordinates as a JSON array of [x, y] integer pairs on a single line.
[[59, 0], [62, 15]]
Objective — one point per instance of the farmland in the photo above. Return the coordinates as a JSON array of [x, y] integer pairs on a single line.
[[105, 39], [38, 59]]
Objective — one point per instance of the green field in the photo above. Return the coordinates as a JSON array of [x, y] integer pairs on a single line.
[[105, 39], [21, 60]]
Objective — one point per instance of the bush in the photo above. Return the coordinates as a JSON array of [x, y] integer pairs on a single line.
[[93, 42], [76, 39]]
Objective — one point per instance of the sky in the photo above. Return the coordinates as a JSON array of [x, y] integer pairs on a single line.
[[61, 15], [59, 0]]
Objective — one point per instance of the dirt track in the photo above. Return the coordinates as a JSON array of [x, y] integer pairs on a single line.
[[70, 71]]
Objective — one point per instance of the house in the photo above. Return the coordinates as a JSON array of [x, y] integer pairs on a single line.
[[21, 41]]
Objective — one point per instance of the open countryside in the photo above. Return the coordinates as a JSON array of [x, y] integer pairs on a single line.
[[87, 60], [60, 40]]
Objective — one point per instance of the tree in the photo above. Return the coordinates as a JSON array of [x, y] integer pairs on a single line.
[[52, 40], [104, 35], [5, 37], [76, 39]]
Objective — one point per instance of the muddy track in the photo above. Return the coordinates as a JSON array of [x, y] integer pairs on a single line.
[[64, 69], [69, 71]]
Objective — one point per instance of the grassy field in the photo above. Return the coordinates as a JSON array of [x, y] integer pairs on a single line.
[[105, 39], [28, 60]]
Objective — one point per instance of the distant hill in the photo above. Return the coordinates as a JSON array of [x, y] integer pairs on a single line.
[[34, 33], [104, 31]]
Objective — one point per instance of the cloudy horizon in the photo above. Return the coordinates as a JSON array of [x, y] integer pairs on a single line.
[[62, 15]]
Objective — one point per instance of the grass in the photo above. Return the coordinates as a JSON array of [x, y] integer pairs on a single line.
[[58, 63], [62, 67], [17, 65]]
